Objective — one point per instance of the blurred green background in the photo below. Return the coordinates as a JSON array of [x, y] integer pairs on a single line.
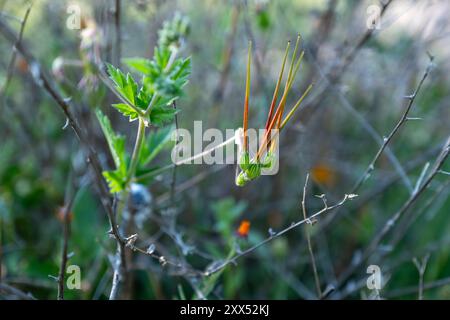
[[334, 137]]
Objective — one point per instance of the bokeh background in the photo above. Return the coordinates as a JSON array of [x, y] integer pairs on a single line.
[[361, 78]]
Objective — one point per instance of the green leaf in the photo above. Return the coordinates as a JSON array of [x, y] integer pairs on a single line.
[[160, 115], [161, 57], [182, 69], [126, 110], [130, 89], [125, 84], [155, 142], [143, 98], [116, 142], [171, 83], [115, 179], [116, 75], [142, 65]]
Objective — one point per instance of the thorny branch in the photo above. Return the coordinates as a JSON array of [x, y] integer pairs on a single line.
[[10, 69], [421, 267], [391, 222], [11, 291], [273, 236], [403, 119], [413, 289], [308, 239], [329, 84]]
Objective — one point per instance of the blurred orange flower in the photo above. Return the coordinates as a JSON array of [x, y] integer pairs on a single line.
[[244, 229], [323, 174]]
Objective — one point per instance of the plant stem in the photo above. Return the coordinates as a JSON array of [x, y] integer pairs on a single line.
[[308, 239], [132, 169], [121, 268], [63, 264], [173, 55], [150, 105], [137, 150]]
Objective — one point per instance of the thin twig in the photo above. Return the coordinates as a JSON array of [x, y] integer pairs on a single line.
[[330, 85], [386, 140], [413, 289], [391, 222], [421, 267], [10, 69], [64, 255], [361, 42], [9, 290], [174, 170], [118, 34], [308, 239], [405, 224], [278, 234]]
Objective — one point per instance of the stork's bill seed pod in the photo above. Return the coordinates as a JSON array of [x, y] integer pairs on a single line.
[[250, 168]]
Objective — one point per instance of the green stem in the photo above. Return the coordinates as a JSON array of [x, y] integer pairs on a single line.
[[150, 105], [137, 150], [173, 55], [132, 169]]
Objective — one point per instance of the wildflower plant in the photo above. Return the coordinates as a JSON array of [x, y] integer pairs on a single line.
[[251, 166], [149, 101]]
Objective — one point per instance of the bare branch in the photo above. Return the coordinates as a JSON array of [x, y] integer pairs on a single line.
[[16, 293], [399, 124], [64, 254], [10, 69], [391, 222], [308, 239], [118, 34], [421, 267], [274, 235], [426, 286]]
